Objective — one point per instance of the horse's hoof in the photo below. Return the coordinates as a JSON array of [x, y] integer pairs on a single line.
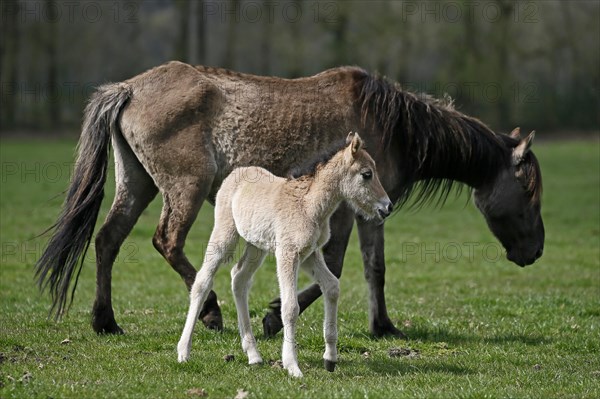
[[329, 365], [271, 324], [116, 330], [213, 320], [106, 327], [387, 330]]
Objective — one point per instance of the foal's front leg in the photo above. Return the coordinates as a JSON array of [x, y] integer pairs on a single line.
[[287, 274], [341, 223], [330, 286]]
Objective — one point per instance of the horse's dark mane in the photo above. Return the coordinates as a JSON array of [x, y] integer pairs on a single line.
[[438, 146], [309, 168]]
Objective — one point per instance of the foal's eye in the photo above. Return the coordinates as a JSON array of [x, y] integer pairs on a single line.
[[367, 174]]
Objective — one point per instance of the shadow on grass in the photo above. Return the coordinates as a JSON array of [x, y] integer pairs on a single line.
[[436, 334], [387, 366], [395, 366]]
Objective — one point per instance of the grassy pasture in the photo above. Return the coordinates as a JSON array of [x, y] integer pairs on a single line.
[[478, 325]]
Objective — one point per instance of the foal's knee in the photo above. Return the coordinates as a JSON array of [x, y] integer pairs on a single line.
[[332, 291], [290, 312]]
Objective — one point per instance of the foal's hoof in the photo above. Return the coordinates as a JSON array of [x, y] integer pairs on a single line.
[[213, 320], [272, 324], [329, 365]]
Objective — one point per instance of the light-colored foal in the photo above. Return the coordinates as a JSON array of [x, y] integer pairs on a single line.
[[289, 217]]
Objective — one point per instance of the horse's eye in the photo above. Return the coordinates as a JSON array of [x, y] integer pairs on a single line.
[[367, 174]]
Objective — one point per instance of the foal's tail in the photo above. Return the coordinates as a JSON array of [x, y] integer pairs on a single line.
[[72, 232]]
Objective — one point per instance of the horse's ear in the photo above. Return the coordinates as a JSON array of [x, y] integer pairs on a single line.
[[516, 133], [521, 149]]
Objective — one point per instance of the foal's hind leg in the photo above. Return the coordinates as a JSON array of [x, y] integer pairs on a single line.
[[135, 190], [241, 280], [223, 239]]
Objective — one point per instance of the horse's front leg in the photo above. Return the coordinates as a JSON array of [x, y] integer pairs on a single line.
[[372, 247], [341, 223]]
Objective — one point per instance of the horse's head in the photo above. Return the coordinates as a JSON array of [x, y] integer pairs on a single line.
[[360, 184], [511, 203]]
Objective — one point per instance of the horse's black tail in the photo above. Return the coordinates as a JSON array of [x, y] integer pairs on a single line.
[[72, 232]]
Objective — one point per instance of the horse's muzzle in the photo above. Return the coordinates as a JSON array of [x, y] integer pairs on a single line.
[[385, 210], [524, 261]]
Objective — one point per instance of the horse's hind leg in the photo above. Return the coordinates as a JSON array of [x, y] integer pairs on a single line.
[[241, 280], [135, 189], [183, 195], [330, 286]]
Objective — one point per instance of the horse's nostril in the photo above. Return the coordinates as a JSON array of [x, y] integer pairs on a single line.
[[390, 208], [383, 213]]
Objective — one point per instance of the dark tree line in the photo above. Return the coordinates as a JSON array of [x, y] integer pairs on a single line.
[[533, 63]]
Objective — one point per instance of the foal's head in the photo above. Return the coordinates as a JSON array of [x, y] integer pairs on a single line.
[[360, 184], [511, 203]]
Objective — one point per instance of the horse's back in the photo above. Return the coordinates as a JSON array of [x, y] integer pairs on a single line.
[[184, 120]]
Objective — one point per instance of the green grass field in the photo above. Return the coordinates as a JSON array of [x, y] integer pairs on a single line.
[[479, 326]]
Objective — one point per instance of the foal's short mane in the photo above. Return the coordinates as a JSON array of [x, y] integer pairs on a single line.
[[438, 145], [309, 168]]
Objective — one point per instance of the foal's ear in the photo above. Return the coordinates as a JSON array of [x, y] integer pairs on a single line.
[[354, 141], [521, 149]]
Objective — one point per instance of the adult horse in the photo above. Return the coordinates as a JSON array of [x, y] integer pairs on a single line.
[[180, 130]]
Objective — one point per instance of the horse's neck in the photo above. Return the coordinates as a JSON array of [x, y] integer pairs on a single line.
[[472, 156]]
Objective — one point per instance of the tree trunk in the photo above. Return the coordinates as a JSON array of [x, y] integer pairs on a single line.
[[230, 47], [196, 33], [181, 47], [503, 44], [265, 46], [297, 55], [53, 101], [9, 59]]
